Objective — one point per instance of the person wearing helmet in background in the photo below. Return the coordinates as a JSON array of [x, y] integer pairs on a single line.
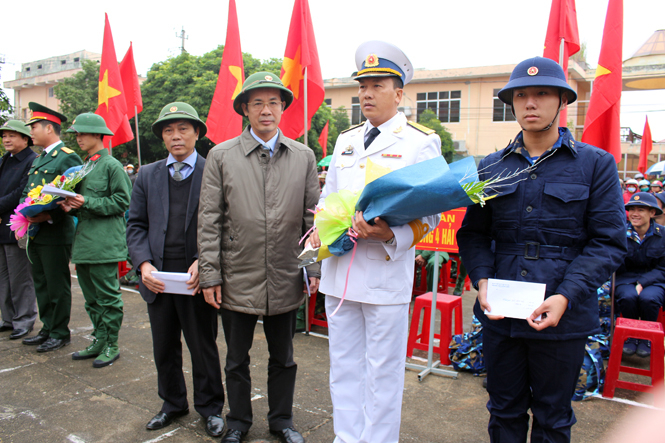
[[639, 176], [631, 188], [561, 225], [640, 280], [656, 187], [644, 185], [99, 242]]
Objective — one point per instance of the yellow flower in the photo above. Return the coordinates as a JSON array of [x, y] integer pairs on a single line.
[[34, 193], [46, 198]]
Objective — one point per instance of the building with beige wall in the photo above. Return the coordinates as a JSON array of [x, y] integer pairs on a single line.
[[465, 100], [35, 81]]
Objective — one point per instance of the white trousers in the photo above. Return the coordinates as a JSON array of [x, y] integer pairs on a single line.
[[367, 358]]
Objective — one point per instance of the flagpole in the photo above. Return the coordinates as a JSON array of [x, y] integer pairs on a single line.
[[305, 139], [110, 147], [138, 143], [561, 52]]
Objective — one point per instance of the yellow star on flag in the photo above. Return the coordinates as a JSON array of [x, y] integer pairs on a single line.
[[602, 70], [236, 72], [106, 92], [293, 73]]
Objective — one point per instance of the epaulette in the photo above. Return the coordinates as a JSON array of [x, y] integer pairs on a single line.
[[66, 150], [424, 129], [352, 127]]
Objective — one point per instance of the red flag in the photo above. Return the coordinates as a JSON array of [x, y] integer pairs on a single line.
[[130, 82], [323, 140], [301, 54], [602, 126], [562, 25], [223, 122], [645, 148], [112, 106]]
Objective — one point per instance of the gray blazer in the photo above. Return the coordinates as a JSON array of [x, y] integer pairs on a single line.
[[149, 213]]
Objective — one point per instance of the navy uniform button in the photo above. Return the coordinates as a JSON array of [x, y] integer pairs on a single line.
[[523, 273], [533, 176], [529, 209]]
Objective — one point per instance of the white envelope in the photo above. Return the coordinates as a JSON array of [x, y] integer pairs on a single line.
[[52, 190], [514, 299], [175, 282]]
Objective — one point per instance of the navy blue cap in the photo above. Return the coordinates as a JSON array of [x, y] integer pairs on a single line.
[[660, 196], [537, 71], [644, 199]]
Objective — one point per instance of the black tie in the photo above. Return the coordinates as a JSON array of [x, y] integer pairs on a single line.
[[373, 133]]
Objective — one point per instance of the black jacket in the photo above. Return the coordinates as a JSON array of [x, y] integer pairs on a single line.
[[13, 178]]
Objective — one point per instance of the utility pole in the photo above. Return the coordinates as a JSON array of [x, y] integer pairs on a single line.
[[182, 37]]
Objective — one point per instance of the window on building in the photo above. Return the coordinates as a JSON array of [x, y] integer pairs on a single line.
[[39, 66], [50, 92], [27, 69], [357, 116], [63, 62], [501, 112], [328, 102], [77, 59], [445, 104]]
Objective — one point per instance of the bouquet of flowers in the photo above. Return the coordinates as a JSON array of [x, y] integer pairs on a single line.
[[45, 197]]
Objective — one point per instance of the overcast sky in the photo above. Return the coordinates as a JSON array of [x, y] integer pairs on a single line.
[[435, 34]]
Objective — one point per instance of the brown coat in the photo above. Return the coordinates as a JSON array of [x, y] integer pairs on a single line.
[[252, 213]]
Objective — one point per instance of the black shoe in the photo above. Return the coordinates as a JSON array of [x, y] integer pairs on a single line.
[[37, 339], [215, 426], [288, 435], [53, 344], [643, 348], [163, 419], [485, 382], [4, 328], [18, 333], [233, 436]]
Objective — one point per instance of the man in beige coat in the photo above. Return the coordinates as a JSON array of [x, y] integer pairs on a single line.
[[256, 193]]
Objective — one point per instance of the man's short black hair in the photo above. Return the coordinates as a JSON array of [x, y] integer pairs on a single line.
[[56, 127], [397, 83]]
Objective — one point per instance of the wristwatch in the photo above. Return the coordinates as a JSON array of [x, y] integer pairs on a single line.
[[391, 241]]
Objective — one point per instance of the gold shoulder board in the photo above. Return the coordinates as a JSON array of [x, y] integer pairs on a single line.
[[66, 150], [352, 127], [421, 128]]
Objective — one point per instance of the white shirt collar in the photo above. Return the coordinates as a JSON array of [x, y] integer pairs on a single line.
[[383, 127], [190, 161], [50, 148]]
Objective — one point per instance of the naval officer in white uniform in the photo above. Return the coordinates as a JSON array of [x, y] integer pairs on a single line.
[[368, 334]]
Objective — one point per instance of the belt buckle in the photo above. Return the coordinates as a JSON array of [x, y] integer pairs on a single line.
[[526, 250]]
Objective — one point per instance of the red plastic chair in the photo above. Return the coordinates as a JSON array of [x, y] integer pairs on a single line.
[[312, 317], [123, 269], [646, 330], [446, 304]]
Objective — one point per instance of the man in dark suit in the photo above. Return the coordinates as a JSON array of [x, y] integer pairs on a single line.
[[161, 236], [17, 291]]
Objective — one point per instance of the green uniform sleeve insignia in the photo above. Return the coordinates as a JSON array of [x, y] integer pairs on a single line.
[[351, 128], [421, 128]]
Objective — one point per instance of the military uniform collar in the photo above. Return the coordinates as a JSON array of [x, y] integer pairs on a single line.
[[53, 146], [565, 139], [397, 120], [100, 153]]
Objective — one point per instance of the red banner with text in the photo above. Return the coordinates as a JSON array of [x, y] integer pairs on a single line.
[[444, 237]]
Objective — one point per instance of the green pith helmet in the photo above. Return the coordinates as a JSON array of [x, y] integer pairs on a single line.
[[17, 126], [261, 80], [89, 123], [178, 111]]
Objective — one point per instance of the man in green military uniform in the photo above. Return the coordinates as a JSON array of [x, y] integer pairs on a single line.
[[51, 248], [427, 259], [99, 242]]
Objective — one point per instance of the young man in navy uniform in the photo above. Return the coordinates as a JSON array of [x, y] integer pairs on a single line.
[[562, 224], [369, 332]]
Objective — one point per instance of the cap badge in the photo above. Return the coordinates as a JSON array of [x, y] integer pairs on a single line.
[[532, 70], [371, 61], [173, 108], [637, 197], [269, 78], [74, 122]]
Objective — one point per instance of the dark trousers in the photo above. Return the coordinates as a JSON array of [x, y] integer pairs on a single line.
[[170, 314], [529, 373], [645, 306], [239, 333], [53, 286]]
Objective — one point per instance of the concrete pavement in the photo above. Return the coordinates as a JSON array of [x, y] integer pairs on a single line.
[[51, 398]]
